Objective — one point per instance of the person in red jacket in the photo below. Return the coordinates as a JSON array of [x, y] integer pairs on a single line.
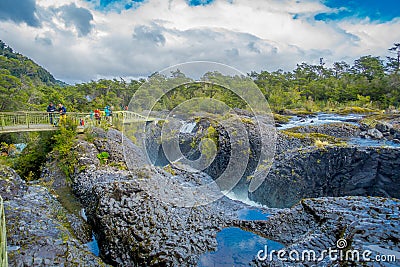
[[97, 115]]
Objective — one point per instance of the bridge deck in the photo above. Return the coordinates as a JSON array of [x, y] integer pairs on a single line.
[[24, 128]]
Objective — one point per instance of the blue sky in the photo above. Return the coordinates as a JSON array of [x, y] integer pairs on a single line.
[[107, 4], [376, 10], [373, 9], [82, 40]]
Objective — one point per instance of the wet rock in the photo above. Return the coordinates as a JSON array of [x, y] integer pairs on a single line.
[[383, 127], [374, 133], [364, 134], [364, 126], [56, 181], [135, 228]]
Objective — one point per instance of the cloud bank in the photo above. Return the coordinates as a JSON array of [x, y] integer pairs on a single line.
[[90, 39]]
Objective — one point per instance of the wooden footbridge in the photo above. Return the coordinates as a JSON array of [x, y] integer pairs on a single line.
[[30, 121]]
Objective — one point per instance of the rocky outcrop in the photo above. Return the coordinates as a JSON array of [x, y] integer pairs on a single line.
[[330, 171], [133, 226], [346, 224], [38, 228], [249, 131], [381, 130], [301, 170]]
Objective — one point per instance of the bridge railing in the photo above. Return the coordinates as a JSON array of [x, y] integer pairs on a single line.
[[10, 119], [30, 119], [3, 236], [121, 117], [23, 118]]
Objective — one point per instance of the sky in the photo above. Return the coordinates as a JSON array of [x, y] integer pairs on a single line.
[[83, 40]]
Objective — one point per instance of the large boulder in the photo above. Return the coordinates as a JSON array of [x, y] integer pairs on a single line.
[[383, 126], [11, 185], [375, 133]]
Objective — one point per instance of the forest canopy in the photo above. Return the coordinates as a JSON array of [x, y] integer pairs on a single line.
[[369, 81]]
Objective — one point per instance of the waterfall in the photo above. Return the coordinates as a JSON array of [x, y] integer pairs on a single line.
[[188, 127]]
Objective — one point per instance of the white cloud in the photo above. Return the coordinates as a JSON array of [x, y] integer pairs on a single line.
[[247, 34]]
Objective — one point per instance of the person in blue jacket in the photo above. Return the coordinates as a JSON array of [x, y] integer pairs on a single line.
[[108, 112], [50, 110]]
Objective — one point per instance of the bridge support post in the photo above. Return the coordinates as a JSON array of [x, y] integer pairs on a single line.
[[27, 119]]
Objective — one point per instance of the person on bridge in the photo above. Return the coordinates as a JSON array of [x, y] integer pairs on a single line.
[[51, 109], [63, 113], [97, 115], [108, 113]]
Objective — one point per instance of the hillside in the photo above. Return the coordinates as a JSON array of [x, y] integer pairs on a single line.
[[23, 68]]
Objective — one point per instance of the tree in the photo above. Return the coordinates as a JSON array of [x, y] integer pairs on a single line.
[[369, 67], [9, 91], [393, 64], [339, 68]]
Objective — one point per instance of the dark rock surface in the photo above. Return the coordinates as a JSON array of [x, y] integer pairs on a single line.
[[12, 186], [285, 143], [339, 130], [330, 171], [366, 223], [247, 135], [132, 225], [38, 229], [56, 181]]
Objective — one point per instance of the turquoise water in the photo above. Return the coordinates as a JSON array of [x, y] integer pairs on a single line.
[[371, 142], [93, 246], [20, 147], [236, 247], [252, 214]]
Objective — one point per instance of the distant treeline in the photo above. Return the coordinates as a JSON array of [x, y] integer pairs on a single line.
[[369, 82]]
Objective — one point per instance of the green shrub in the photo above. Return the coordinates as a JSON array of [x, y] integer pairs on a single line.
[[63, 143], [28, 164], [169, 169], [103, 157], [281, 118]]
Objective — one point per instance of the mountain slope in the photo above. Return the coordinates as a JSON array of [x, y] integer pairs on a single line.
[[24, 68]]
